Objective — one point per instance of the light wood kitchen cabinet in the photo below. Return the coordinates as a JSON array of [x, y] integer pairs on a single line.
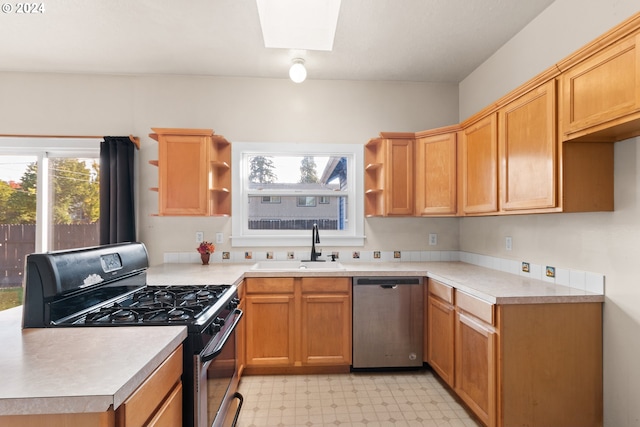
[[479, 163], [270, 322], [194, 172], [389, 176], [528, 151], [440, 330], [475, 355], [436, 172], [326, 321], [601, 94], [158, 401], [298, 324]]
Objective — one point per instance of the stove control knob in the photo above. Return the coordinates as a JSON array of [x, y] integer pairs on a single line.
[[218, 321], [215, 327], [233, 303]]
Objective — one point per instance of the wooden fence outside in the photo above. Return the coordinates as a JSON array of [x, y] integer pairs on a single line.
[[19, 240]]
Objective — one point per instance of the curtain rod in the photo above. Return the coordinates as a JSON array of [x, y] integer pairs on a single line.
[[134, 139]]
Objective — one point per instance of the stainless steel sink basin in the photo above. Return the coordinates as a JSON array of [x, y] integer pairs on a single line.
[[296, 265]]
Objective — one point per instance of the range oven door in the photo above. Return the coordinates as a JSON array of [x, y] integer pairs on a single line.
[[216, 379]]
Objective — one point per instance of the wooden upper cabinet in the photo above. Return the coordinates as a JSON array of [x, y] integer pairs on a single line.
[[528, 151], [436, 168], [389, 175], [479, 163], [601, 94], [194, 172]]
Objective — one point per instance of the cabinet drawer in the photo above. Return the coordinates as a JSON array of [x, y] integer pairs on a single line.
[[440, 290], [475, 306], [151, 395], [269, 285], [326, 284]]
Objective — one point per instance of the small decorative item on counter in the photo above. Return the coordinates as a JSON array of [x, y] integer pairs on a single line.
[[206, 249]]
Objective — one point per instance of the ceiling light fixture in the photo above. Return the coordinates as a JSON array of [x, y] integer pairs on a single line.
[[297, 72]]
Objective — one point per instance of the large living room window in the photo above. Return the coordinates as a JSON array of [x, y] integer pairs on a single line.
[[281, 190], [49, 200]]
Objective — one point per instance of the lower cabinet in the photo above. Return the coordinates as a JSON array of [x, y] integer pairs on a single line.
[[156, 403], [440, 325], [293, 324], [518, 364], [475, 379]]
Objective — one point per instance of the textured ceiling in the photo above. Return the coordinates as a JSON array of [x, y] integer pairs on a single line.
[[401, 40]]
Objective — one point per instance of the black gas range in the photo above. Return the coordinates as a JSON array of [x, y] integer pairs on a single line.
[[106, 286]]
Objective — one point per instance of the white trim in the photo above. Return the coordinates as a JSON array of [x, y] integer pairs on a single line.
[[353, 236]]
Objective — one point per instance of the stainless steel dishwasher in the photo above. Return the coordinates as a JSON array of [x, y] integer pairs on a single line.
[[387, 322]]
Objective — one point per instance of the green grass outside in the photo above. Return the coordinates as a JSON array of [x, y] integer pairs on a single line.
[[10, 297]]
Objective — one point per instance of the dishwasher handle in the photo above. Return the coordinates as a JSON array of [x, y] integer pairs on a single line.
[[388, 282]]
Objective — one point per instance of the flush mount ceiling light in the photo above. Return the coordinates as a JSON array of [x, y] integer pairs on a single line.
[[295, 24], [297, 72]]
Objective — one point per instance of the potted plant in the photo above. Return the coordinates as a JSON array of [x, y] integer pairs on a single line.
[[205, 250]]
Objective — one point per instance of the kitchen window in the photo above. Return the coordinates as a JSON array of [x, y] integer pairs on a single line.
[[281, 190]]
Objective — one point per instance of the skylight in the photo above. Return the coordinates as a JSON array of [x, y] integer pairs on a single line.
[[299, 24]]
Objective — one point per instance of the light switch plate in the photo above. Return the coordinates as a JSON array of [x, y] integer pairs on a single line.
[[508, 243], [219, 238], [433, 239], [199, 236]]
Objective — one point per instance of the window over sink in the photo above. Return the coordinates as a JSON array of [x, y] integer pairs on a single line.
[[281, 190]]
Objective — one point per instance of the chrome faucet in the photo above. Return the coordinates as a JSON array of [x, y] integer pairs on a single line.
[[315, 238]]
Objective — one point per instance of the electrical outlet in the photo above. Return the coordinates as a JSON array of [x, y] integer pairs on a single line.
[[433, 239], [508, 243], [199, 236], [219, 237]]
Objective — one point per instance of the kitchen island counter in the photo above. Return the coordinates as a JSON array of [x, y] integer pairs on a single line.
[[76, 370]]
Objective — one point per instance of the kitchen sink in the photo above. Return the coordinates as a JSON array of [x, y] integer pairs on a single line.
[[296, 265]]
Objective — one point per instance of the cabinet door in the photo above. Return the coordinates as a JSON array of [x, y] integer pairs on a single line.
[[326, 329], [475, 377], [440, 335], [480, 167], [528, 150], [270, 330], [601, 90], [436, 175], [398, 189], [183, 175]]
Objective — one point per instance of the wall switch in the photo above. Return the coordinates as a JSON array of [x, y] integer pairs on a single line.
[[199, 236], [219, 237], [433, 239], [508, 243]]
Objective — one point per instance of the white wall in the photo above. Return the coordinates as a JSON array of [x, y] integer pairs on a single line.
[[604, 243], [241, 109]]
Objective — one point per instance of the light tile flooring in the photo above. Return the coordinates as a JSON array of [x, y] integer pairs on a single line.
[[358, 399]]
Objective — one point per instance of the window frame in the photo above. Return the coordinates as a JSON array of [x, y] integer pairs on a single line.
[[242, 236], [45, 148]]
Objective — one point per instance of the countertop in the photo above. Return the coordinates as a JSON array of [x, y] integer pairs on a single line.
[[90, 369], [74, 370], [493, 286]]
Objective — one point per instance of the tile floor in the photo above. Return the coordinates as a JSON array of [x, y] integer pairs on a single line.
[[359, 399]]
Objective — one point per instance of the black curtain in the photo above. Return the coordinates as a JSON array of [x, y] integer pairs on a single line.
[[117, 216]]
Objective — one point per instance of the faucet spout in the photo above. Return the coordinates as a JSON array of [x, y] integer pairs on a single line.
[[315, 238]]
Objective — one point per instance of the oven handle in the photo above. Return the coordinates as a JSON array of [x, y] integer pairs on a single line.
[[237, 313]]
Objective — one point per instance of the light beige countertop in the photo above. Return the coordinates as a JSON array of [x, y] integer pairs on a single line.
[[75, 370], [89, 369], [490, 285]]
